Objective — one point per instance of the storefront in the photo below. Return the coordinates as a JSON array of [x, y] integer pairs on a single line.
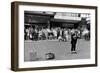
[[54, 19]]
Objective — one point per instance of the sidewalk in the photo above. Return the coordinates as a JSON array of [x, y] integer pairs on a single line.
[[60, 49]]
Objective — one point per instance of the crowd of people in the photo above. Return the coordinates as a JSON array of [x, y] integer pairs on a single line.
[[46, 33], [62, 34]]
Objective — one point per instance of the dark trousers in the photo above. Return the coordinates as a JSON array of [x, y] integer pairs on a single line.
[[73, 45]]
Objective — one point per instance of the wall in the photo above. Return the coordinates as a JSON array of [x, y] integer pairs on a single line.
[[5, 32]]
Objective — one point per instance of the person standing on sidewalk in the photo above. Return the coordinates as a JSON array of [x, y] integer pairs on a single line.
[[74, 37]]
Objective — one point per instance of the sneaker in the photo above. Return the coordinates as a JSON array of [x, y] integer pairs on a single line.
[[73, 52]]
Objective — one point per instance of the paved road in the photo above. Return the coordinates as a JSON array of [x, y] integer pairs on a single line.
[[36, 50]]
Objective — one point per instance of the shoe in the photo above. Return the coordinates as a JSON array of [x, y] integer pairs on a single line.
[[73, 52]]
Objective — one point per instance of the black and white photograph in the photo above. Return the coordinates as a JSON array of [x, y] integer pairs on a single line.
[[56, 35], [51, 36]]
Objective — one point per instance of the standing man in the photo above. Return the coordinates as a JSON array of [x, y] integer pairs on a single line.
[[74, 37], [66, 35]]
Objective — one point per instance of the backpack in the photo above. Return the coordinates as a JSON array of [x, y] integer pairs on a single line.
[[50, 56]]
